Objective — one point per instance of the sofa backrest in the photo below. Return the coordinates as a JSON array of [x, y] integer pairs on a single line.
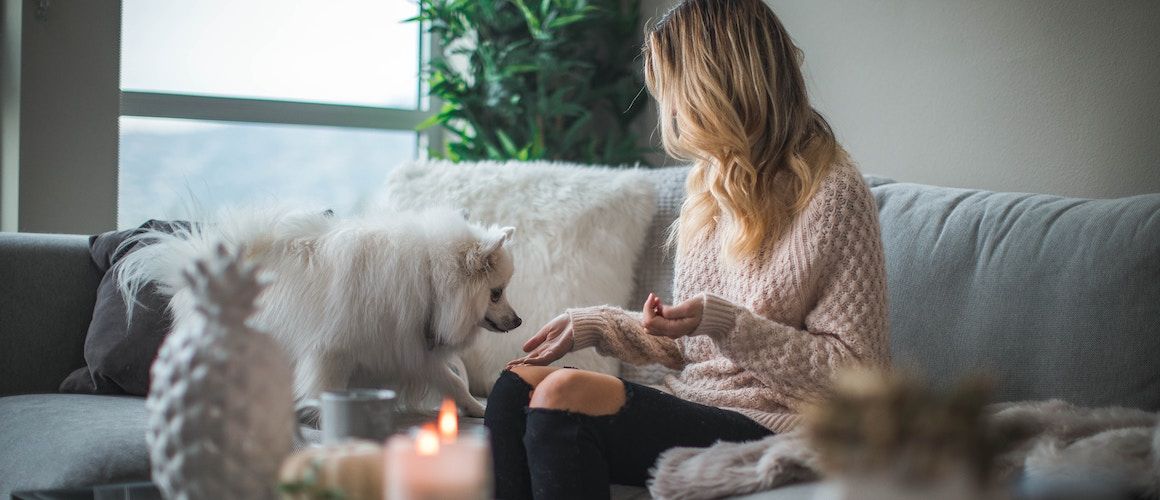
[[654, 268], [1054, 297], [48, 285]]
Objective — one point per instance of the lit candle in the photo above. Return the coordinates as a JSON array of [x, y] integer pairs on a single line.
[[439, 463], [448, 421]]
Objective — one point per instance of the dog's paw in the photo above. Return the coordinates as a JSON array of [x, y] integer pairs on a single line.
[[472, 408]]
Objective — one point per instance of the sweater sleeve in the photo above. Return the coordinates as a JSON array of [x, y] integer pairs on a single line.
[[847, 325], [620, 334]]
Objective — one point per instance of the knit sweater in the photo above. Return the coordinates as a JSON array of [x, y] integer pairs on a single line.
[[776, 327]]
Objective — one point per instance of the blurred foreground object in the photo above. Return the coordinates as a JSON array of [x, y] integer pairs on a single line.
[[886, 436]]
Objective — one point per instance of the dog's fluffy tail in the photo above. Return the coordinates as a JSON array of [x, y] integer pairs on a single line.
[[160, 256], [158, 259]]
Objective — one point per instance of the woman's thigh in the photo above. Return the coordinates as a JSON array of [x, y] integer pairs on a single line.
[[579, 391], [652, 421]]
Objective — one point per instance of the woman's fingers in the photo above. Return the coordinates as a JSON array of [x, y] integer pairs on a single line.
[[542, 355], [648, 311], [652, 313], [675, 312], [538, 338], [526, 360], [672, 328], [656, 325], [686, 309], [550, 330]]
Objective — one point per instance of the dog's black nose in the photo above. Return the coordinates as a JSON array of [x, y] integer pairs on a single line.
[[517, 322]]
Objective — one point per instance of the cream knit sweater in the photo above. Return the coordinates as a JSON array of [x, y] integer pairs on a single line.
[[776, 327]]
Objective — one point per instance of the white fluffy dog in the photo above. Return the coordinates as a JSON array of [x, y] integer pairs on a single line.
[[374, 301]]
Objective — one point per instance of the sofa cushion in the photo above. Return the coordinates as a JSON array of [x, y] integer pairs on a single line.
[[68, 440], [1055, 297], [119, 349]]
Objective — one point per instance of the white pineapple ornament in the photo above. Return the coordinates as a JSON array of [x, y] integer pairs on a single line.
[[220, 403]]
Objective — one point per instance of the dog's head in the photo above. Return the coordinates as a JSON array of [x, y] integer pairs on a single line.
[[492, 263], [471, 288]]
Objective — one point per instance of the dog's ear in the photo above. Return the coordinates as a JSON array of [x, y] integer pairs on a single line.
[[305, 248], [481, 256]]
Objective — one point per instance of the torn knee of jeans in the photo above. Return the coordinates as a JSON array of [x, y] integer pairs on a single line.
[[571, 415], [628, 395], [515, 378]]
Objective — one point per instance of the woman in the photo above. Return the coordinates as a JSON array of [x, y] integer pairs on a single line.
[[779, 278]]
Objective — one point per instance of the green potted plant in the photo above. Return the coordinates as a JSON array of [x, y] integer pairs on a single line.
[[536, 80]]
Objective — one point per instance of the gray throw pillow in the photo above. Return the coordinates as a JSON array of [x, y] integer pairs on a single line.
[[119, 351]]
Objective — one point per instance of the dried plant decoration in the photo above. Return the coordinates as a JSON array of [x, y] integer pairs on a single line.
[[893, 428]]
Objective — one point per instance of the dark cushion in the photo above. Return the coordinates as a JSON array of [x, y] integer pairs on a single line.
[[1055, 297], [69, 440], [119, 350]]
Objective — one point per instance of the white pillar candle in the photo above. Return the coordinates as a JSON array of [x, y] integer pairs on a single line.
[[431, 464]]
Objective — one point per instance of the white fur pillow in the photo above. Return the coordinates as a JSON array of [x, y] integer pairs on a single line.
[[579, 232]]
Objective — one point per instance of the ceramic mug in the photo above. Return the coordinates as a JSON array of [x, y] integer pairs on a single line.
[[353, 414]]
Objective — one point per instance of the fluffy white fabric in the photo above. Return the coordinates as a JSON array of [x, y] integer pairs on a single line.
[[579, 232], [1053, 440]]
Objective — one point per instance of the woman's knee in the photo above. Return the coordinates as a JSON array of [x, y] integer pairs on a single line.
[[579, 391], [531, 374], [508, 397]]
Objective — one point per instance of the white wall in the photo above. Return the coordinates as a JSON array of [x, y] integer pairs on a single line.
[[10, 16], [63, 152], [1054, 96]]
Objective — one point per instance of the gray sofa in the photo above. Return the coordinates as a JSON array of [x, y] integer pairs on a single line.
[[1056, 297]]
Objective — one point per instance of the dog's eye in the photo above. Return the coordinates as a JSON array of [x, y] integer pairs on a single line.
[[496, 293]]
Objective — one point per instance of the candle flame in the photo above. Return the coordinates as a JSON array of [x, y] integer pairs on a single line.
[[427, 441], [448, 421]]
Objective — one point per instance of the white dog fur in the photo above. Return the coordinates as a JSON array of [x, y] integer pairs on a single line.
[[386, 300], [582, 230]]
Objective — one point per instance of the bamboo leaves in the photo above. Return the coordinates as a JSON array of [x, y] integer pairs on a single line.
[[535, 79]]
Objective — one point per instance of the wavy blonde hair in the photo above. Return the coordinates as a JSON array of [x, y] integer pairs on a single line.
[[732, 99]]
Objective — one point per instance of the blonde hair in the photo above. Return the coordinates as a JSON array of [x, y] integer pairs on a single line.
[[732, 99]]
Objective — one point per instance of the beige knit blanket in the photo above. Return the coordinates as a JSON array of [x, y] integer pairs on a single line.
[[1061, 441]]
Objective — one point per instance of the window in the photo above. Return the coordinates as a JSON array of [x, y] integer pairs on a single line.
[[227, 102]]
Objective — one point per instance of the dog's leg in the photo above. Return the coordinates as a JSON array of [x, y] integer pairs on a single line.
[[456, 387], [317, 373], [324, 371]]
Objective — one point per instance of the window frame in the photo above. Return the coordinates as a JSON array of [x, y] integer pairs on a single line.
[[135, 103]]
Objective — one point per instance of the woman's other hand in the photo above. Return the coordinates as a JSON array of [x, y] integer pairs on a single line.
[[672, 321], [552, 342]]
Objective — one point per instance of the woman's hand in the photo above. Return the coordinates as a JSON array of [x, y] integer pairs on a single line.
[[672, 321], [552, 342]]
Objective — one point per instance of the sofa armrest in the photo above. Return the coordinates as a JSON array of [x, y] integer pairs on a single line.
[[48, 286]]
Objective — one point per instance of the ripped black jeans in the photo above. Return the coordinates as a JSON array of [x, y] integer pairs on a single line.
[[556, 454]]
